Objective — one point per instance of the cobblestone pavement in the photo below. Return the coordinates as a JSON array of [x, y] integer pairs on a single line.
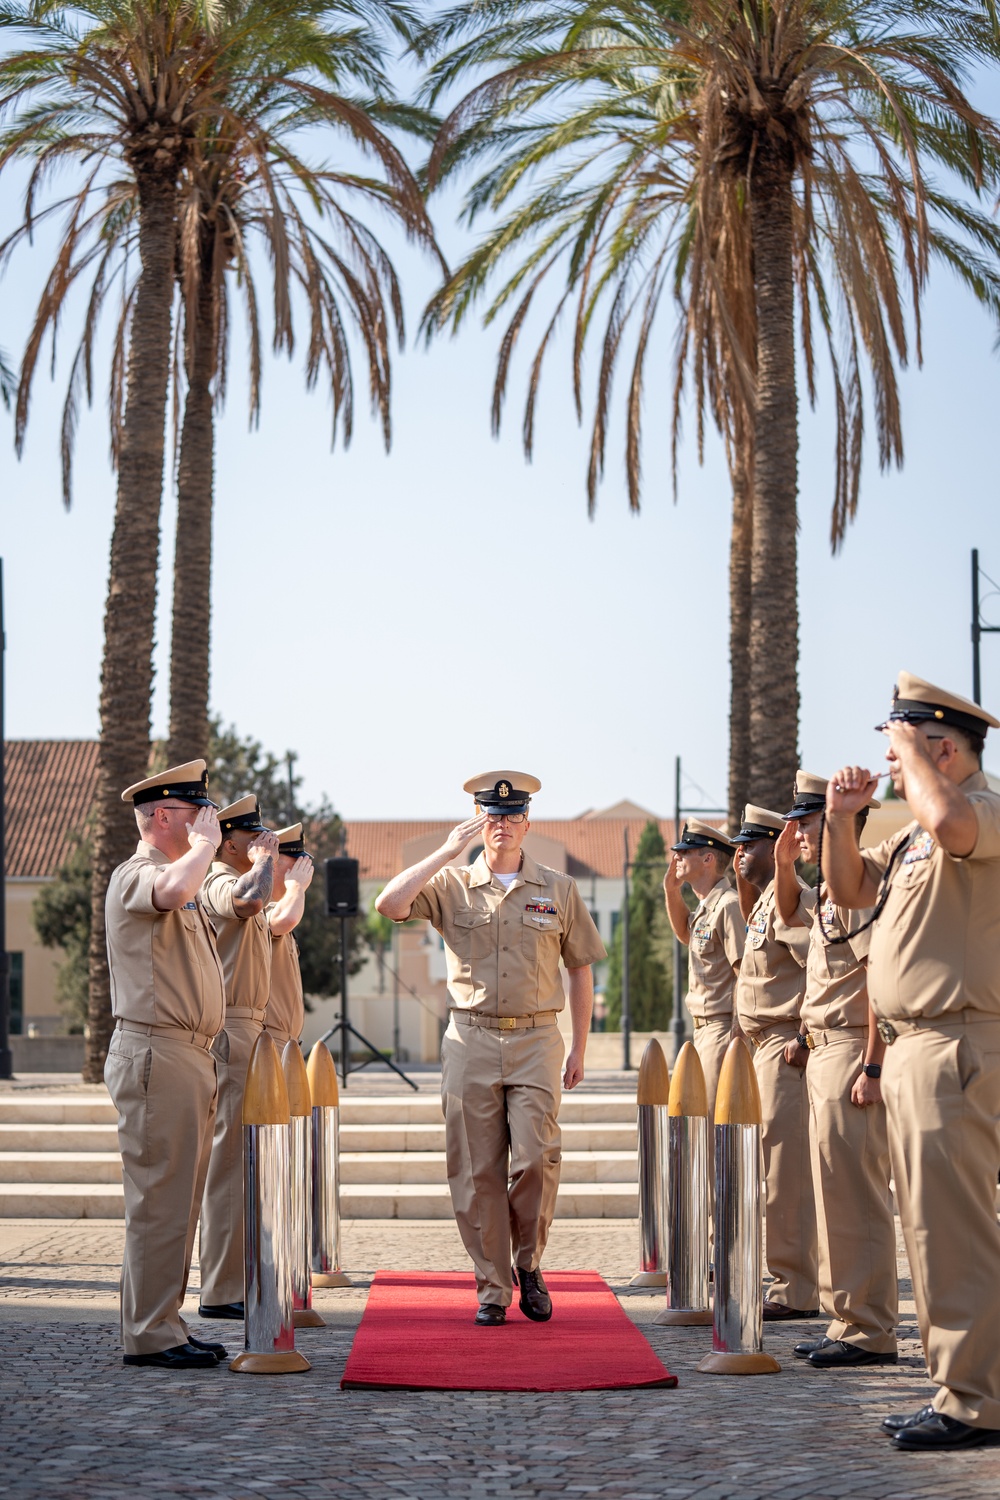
[[75, 1422]]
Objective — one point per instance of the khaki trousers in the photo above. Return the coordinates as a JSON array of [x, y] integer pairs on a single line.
[[942, 1092], [856, 1229], [790, 1214], [500, 1091], [221, 1249], [710, 1043], [165, 1093]]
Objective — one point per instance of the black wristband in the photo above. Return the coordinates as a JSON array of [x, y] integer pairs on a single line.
[[802, 1039], [873, 1070]]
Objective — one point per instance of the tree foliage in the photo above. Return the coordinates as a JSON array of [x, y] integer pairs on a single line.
[[61, 917], [650, 954]]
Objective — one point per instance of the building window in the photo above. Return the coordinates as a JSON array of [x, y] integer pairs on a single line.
[[596, 919], [616, 917], [16, 993]]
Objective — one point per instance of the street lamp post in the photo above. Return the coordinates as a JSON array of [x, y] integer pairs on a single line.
[[6, 1061], [626, 1012]]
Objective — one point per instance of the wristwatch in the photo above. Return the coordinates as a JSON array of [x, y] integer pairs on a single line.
[[802, 1039], [873, 1070]]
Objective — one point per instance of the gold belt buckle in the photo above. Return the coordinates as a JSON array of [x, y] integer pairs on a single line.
[[887, 1032], [507, 1023]]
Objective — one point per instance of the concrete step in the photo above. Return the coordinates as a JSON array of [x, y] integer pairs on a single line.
[[56, 1109], [412, 1167], [43, 1137], [609, 1137], [75, 1167], [61, 1200]]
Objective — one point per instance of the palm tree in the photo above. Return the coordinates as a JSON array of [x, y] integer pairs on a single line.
[[758, 158], [116, 87], [247, 180]]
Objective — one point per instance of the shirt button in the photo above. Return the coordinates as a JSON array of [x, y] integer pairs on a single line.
[[503, 976]]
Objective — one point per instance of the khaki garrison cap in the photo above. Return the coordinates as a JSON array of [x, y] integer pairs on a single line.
[[915, 701], [502, 791], [810, 796], [698, 835], [186, 783], [290, 840], [758, 823], [245, 814]]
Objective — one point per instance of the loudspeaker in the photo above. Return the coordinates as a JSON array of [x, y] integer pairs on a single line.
[[341, 887]]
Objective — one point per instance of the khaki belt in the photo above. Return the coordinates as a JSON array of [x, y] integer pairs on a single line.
[[245, 1013], [822, 1038], [700, 1021], [279, 1035], [901, 1025], [504, 1023], [179, 1033], [787, 1029]]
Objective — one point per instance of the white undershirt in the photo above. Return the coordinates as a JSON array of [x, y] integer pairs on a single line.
[[506, 880]]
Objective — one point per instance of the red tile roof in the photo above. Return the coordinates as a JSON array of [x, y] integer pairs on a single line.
[[50, 788], [594, 846]]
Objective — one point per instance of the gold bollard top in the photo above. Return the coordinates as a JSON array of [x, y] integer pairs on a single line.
[[654, 1076], [293, 1065], [688, 1095], [737, 1101], [322, 1077], [265, 1098]]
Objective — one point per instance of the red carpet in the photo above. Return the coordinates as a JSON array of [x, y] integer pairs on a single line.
[[418, 1333]]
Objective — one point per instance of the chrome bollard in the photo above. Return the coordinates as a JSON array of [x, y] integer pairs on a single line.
[[687, 1194], [738, 1323], [652, 1092], [270, 1330], [325, 1168], [300, 1185]]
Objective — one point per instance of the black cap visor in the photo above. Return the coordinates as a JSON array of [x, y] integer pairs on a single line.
[[751, 833]]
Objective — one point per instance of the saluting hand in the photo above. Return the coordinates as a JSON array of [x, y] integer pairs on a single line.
[[464, 834], [786, 848], [301, 873], [850, 789], [264, 846], [204, 827], [671, 880]]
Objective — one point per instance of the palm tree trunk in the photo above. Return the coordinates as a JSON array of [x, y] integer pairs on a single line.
[[774, 630], [191, 627], [127, 671], [740, 549]]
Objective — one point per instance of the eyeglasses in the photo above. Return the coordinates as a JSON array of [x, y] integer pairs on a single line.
[[514, 818]]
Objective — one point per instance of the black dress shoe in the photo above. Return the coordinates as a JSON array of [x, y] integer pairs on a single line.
[[181, 1357], [219, 1352], [534, 1300], [840, 1356], [939, 1431], [808, 1346], [777, 1312], [231, 1310], [491, 1315], [896, 1423]]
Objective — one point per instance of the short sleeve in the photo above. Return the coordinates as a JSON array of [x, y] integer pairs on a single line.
[[135, 889], [217, 895], [733, 932], [796, 939], [427, 904], [876, 859], [860, 943], [581, 941], [987, 810]]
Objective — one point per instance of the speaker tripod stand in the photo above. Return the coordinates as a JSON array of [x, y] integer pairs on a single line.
[[343, 1030]]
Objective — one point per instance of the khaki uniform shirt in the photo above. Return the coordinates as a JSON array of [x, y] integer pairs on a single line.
[[504, 946], [771, 981], [165, 968], [244, 945], [716, 936], [836, 978], [935, 948], [286, 1009]]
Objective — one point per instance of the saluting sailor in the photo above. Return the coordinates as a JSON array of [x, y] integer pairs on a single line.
[[847, 1128], [168, 999], [506, 923], [235, 893], [934, 983], [769, 993], [293, 873]]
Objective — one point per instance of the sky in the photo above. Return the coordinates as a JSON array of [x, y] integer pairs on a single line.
[[403, 622]]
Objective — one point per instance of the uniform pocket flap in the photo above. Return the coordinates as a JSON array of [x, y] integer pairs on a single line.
[[538, 921], [471, 918]]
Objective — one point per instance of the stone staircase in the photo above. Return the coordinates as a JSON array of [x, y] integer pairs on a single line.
[[59, 1158]]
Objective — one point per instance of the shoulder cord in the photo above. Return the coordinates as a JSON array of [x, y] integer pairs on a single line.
[[883, 891]]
